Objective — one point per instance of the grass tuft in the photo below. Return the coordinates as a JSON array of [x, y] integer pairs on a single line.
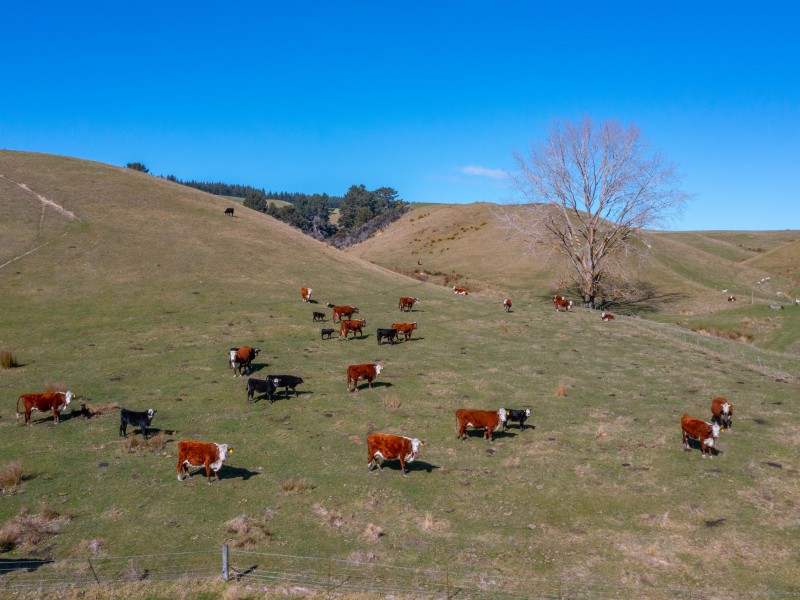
[[11, 475], [28, 531], [372, 533], [247, 530], [8, 360], [297, 485], [561, 390], [391, 402]]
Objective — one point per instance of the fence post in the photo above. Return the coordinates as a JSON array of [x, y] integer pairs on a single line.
[[225, 562], [91, 566]]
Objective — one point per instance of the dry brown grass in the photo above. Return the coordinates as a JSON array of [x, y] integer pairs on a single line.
[[561, 390], [96, 411], [92, 548], [10, 475], [297, 485], [155, 443], [372, 533], [391, 402], [28, 531], [8, 360], [248, 530]]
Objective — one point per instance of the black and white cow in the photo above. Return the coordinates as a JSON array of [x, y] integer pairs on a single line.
[[134, 418], [517, 415], [262, 386], [286, 382]]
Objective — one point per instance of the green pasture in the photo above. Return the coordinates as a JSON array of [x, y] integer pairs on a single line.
[[139, 303]]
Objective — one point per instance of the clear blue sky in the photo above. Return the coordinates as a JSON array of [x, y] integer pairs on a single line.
[[431, 98]]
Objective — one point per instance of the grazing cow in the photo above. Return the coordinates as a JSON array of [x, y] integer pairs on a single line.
[[722, 413], [241, 359], [519, 416], [342, 311], [562, 302], [286, 382], [133, 418], [405, 328], [389, 334], [368, 372], [229, 211], [731, 298], [261, 386], [318, 316], [706, 433], [306, 294], [327, 331], [354, 326], [407, 303], [604, 316], [488, 420], [55, 401], [384, 446], [507, 305], [200, 454], [461, 291]]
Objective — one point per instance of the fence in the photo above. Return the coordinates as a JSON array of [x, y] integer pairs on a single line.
[[338, 577]]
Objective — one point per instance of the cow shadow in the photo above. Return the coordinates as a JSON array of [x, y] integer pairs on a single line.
[[255, 368], [289, 396], [695, 445], [7, 565], [236, 473], [375, 384], [496, 435]]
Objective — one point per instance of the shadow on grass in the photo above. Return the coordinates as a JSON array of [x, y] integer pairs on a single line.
[[695, 445], [375, 384], [7, 565], [236, 473], [496, 435], [417, 465]]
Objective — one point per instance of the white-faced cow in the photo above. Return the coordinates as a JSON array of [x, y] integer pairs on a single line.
[[562, 302], [604, 316], [722, 413], [140, 419], [407, 303], [45, 401], [488, 420], [405, 328], [241, 359], [699, 430], [507, 305], [384, 446], [340, 312], [305, 293], [460, 291], [368, 372], [517, 416], [200, 454]]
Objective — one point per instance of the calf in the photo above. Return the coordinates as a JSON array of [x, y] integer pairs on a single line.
[[327, 331], [731, 298], [519, 416], [384, 446], [352, 326], [305, 293], [229, 211], [461, 291], [722, 413], [286, 382], [55, 401], [562, 302], [368, 371], [488, 420], [200, 454], [389, 334], [604, 316], [342, 311], [507, 305], [706, 433], [405, 328], [241, 359], [133, 418], [407, 303], [318, 316], [262, 386]]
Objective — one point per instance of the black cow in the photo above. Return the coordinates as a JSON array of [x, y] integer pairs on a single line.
[[286, 382], [517, 415], [328, 332], [319, 316], [133, 418], [229, 211], [389, 334], [262, 386]]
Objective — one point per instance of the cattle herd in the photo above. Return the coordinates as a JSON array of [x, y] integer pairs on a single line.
[[380, 446]]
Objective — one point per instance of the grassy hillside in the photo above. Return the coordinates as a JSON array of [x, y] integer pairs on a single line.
[[139, 302]]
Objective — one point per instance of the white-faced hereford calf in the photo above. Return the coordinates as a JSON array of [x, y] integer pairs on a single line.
[[488, 420], [340, 312], [55, 401], [306, 294], [384, 446], [201, 454], [562, 302], [722, 412], [699, 430], [405, 328], [407, 303], [241, 359], [368, 372], [354, 326], [507, 305]]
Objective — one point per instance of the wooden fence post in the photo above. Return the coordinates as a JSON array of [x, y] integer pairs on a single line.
[[91, 566], [225, 562]]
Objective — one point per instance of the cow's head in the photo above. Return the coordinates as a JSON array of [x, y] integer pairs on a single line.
[[256, 351], [378, 369], [224, 450], [150, 413], [415, 445], [502, 414], [715, 429], [527, 412]]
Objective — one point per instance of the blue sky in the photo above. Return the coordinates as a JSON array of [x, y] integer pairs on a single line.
[[430, 98]]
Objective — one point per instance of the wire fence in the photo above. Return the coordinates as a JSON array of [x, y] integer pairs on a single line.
[[336, 577]]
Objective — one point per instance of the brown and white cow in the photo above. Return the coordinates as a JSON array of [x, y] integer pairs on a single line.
[[488, 420], [45, 401], [351, 326], [461, 291], [384, 446], [407, 303], [604, 316], [405, 328], [697, 429], [201, 454], [507, 305], [305, 293], [339, 312], [731, 298], [722, 413], [367, 372], [242, 358], [562, 302]]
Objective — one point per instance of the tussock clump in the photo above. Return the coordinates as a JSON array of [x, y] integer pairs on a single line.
[[101, 409], [131, 443], [248, 531], [10, 475], [430, 524], [372, 533], [391, 402], [8, 360], [92, 548], [134, 443], [561, 390], [330, 518], [27, 530], [297, 485]]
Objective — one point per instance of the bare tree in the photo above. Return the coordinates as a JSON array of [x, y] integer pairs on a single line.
[[591, 190]]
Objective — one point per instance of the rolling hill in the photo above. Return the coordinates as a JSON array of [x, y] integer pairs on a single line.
[[136, 298]]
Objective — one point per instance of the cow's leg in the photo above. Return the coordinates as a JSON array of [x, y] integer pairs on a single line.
[[123, 430], [402, 465], [144, 431]]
